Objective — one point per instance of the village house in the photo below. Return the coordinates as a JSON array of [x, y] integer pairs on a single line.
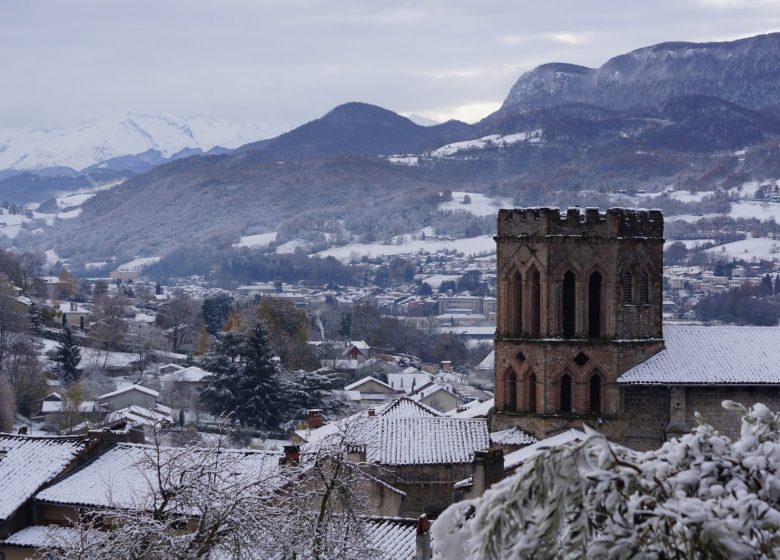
[[369, 391], [73, 314]]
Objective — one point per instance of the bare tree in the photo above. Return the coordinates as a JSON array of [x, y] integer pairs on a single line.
[[108, 326]]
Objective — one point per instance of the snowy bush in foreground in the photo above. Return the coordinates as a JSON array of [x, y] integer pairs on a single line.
[[700, 496]]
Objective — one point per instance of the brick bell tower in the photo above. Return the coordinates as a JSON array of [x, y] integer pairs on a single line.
[[579, 302]]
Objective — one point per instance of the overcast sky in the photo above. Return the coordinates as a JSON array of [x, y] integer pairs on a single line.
[[287, 62]]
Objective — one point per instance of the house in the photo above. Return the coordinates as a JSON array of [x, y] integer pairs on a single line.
[[137, 395], [182, 338], [182, 387], [27, 464], [369, 390], [409, 380], [438, 397], [357, 350], [73, 314], [57, 413]]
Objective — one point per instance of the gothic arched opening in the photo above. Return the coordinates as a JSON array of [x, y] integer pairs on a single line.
[[516, 310], [510, 390], [565, 393], [595, 394], [532, 392], [569, 310], [594, 305], [536, 304]]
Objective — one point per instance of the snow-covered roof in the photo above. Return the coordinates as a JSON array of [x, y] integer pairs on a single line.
[[140, 415], [476, 410], [393, 538], [360, 345], [57, 406], [422, 441], [408, 381], [39, 536], [192, 374], [29, 463], [355, 386], [407, 408], [139, 388], [512, 436], [489, 362], [123, 477], [712, 355]]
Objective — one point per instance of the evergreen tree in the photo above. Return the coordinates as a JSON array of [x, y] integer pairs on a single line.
[[766, 286], [246, 382], [67, 355], [216, 311], [158, 289], [777, 284]]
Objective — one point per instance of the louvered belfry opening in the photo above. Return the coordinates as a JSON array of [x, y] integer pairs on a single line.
[[594, 305], [626, 282], [569, 309], [644, 288], [565, 393]]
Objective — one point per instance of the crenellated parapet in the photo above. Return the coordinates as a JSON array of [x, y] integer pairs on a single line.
[[614, 223]]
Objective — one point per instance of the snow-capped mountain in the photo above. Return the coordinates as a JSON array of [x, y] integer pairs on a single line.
[[81, 145]]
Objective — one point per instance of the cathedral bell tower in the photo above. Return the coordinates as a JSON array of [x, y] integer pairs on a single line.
[[579, 302]]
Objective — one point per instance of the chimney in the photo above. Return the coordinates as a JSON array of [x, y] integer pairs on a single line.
[[487, 468], [371, 412], [356, 453], [446, 365], [423, 538], [292, 455], [72, 306], [314, 418]]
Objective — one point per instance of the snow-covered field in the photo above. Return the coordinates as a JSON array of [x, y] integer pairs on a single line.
[[138, 263], [73, 199], [257, 240], [749, 249], [435, 280], [689, 243], [492, 141], [760, 210], [480, 204], [483, 244]]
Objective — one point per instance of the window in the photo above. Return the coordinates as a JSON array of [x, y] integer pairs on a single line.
[[595, 394], [626, 283], [536, 304], [569, 304], [644, 288], [510, 390], [516, 300], [566, 393], [594, 305], [532, 392]]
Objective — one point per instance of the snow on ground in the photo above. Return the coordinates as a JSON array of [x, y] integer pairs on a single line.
[[483, 244], [257, 240], [138, 263], [689, 243], [492, 141], [686, 196], [11, 224], [760, 210], [95, 265], [69, 214], [480, 204], [404, 160], [689, 217], [51, 257], [291, 246], [71, 200], [435, 280], [749, 249]]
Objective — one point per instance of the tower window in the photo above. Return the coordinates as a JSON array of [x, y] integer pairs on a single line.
[[516, 326], [644, 288], [566, 393], [510, 390], [532, 392], [581, 359], [594, 305], [536, 304], [569, 304], [520, 357], [626, 283], [595, 394]]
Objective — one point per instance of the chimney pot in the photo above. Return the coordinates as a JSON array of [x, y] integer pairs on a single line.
[[423, 539], [292, 455], [314, 418], [371, 412]]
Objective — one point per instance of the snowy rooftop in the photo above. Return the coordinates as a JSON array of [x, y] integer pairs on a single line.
[[408, 381], [512, 436], [475, 410], [192, 374], [488, 363], [422, 441], [368, 379], [123, 475], [140, 388], [38, 536], [393, 538], [29, 463], [712, 355]]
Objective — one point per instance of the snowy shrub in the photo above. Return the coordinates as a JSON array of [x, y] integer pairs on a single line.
[[700, 496]]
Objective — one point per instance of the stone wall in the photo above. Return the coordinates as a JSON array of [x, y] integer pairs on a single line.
[[429, 488]]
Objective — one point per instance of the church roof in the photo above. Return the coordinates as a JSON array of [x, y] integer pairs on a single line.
[[711, 355]]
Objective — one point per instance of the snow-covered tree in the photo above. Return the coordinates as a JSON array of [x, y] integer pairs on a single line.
[[67, 355], [246, 384], [699, 496]]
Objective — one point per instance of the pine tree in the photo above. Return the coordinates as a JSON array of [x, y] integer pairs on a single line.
[[246, 383], [68, 356], [766, 285], [777, 284], [158, 289]]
